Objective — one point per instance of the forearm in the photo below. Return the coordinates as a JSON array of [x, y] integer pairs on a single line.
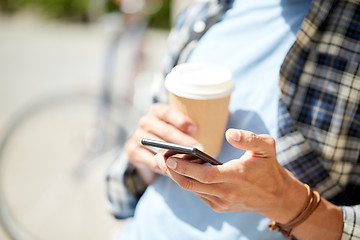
[[326, 222]]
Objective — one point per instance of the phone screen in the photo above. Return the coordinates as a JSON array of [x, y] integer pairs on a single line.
[[176, 148]]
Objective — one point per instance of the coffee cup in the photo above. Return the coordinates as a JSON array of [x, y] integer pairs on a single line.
[[202, 92]]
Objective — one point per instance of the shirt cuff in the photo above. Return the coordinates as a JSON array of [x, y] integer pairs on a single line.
[[351, 230], [121, 202]]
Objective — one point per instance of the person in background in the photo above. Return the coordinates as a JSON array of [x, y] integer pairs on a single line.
[[292, 150]]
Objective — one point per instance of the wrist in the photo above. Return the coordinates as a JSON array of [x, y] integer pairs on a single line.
[[326, 222], [291, 198], [312, 202]]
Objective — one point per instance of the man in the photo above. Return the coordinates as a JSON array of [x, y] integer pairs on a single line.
[[310, 52]]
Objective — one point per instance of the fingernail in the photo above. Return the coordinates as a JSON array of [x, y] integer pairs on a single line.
[[171, 163], [236, 135], [191, 129]]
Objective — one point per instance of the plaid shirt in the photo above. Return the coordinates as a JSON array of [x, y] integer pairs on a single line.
[[319, 111]]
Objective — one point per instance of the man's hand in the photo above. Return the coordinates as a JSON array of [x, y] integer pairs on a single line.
[[163, 123], [254, 182]]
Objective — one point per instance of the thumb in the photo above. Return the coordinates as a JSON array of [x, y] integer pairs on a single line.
[[250, 141]]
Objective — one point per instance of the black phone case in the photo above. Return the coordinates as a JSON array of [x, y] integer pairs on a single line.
[[180, 149]]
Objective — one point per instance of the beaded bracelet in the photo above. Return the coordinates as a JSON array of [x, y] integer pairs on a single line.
[[312, 202]]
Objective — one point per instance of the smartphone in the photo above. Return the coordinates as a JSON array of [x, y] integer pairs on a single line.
[[176, 148]]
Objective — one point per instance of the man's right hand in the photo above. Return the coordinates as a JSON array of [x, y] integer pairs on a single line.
[[164, 123]]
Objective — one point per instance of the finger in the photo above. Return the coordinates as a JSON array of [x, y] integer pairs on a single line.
[[208, 174], [144, 158], [188, 183], [140, 154], [160, 160], [246, 140], [193, 185], [219, 204], [134, 143], [167, 132], [175, 118], [188, 157], [216, 207]]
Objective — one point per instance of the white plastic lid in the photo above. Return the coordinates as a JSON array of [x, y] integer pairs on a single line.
[[200, 81]]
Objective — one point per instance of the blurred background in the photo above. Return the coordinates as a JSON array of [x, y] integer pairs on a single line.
[[75, 76]]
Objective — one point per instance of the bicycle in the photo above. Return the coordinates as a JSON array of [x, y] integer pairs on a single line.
[[104, 119]]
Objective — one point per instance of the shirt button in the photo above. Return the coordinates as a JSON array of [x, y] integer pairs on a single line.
[[199, 26]]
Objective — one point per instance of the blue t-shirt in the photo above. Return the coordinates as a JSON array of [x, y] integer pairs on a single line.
[[251, 40]]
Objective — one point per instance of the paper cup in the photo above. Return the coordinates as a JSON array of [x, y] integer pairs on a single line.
[[202, 92]]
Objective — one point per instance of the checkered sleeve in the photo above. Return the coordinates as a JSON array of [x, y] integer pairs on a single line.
[[121, 201], [351, 230], [319, 109]]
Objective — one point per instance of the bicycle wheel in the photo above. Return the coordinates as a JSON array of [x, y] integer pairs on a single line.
[[53, 159]]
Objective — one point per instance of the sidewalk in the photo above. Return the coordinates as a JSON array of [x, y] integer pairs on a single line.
[[40, 57]]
